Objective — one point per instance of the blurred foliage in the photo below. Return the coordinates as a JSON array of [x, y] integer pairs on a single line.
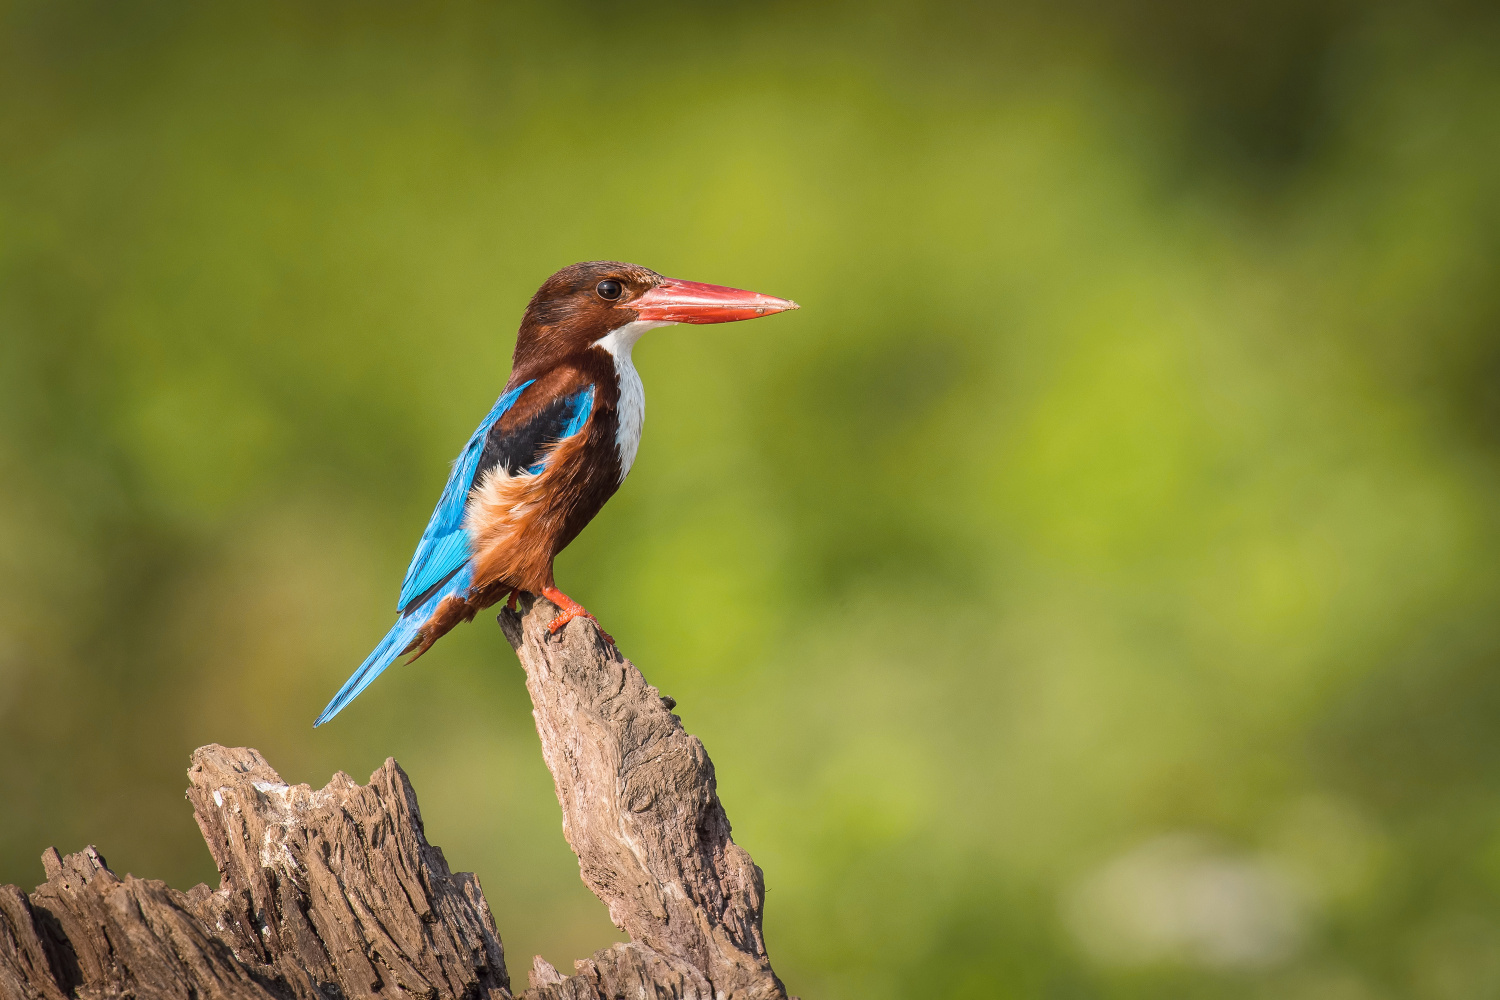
[[1090, 593]]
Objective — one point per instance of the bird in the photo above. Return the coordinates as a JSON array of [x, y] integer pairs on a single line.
[[553, 449]]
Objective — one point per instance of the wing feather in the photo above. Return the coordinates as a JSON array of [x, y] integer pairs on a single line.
[[520, 449], [445, 545]]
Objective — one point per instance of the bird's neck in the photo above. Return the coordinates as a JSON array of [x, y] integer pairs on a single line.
[[630, 411]]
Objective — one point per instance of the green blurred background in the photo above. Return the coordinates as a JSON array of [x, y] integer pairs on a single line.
[[1091, 592]]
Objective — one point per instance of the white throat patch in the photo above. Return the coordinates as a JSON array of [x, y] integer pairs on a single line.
[[632, 408]]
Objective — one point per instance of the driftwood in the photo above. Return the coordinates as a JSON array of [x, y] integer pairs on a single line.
[[335, 894]]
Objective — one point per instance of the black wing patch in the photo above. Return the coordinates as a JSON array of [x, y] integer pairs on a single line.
[[523, 448]]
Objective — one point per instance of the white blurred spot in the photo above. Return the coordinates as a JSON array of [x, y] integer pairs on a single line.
[[1178, 897]]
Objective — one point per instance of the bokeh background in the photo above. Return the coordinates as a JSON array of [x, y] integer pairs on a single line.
[[1090, 593]]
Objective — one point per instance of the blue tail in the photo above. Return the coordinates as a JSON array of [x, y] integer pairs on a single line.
[[396, 640], [392, 646]]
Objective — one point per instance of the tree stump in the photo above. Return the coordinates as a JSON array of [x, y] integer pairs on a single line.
[[335, 894], [641, 810]]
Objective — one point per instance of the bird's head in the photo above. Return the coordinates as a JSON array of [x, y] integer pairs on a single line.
[[608, 305]]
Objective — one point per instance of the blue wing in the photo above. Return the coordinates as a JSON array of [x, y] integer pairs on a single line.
[[440, 566], [445, 545]]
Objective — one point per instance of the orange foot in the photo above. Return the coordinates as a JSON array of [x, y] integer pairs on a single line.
[[570, 609], [510, 599]]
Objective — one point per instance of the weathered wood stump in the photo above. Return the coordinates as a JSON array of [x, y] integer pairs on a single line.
[[641, 810], [335, 894], [325, 893]]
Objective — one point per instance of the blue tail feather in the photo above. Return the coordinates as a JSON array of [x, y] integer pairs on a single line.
[[396, 640], [392, 646]]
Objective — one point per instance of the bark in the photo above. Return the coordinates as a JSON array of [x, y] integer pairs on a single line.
[[641, 810], [322, 894], [335, 894]]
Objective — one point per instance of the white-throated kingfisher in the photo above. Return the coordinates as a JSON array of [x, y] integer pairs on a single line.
[[555, 447]]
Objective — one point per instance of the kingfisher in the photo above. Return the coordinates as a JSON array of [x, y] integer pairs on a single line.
[[555, 446]]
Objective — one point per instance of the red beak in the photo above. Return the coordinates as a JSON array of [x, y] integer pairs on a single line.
[[675, 301]]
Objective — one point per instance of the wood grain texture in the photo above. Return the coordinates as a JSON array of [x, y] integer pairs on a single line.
[[340, 885], [335, 893], [641, 810]]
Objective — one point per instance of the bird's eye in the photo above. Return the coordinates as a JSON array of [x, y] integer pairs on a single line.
[[609, 288]]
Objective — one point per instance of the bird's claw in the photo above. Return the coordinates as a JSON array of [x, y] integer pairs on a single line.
[[557, 623], [568, 610]]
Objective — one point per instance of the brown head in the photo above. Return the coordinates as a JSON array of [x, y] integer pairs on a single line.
[[581, 305]]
